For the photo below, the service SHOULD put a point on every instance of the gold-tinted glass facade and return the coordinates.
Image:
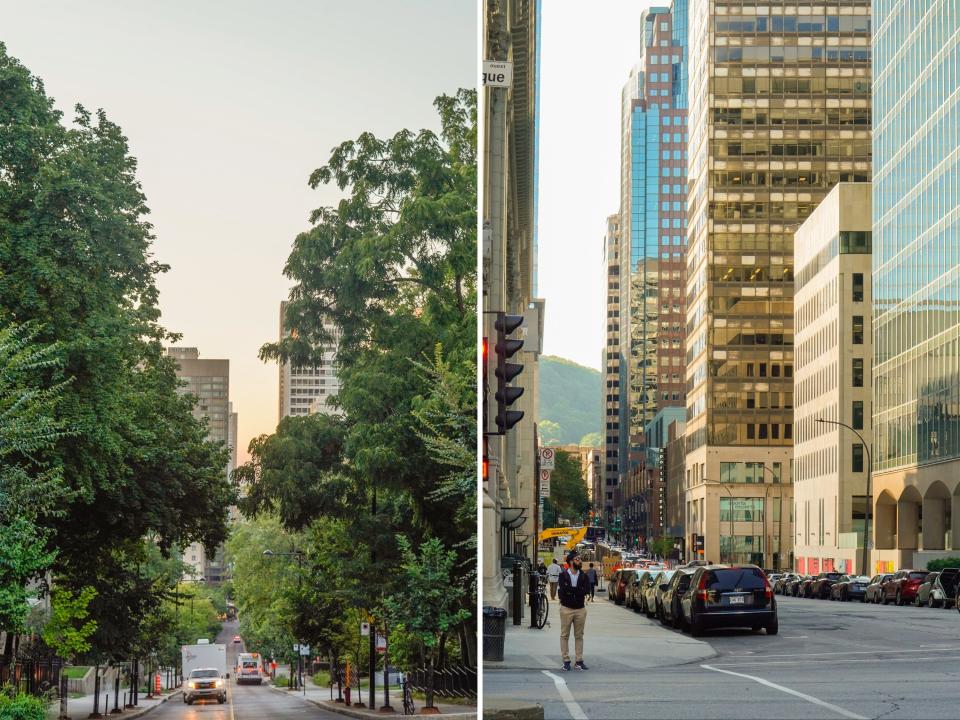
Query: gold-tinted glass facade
(779, 113)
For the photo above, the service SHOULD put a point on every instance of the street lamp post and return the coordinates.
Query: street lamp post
(866, 527)
(780, 528)
(298, 554)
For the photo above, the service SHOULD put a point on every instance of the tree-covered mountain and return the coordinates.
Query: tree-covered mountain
(569, 401)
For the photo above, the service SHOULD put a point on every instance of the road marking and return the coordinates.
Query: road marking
(803, 696)
(799, 637)
(573, 707)
(837, 662)
(844, 652)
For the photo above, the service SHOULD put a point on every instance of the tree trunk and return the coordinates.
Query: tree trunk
(442, 663)
(63, 694)
(430, 681)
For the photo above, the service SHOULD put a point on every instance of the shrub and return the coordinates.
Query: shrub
(322, 679)
(22, 707)
(948, 562)
(282, 681)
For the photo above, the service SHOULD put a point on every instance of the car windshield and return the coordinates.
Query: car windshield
(833, 576)
(204, 674)
(918, 575)
(735, 578)
(249, 663)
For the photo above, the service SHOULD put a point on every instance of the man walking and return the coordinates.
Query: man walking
(574, 587)
(592, 575)
(553, 575)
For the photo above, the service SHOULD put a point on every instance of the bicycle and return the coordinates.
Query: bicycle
(542, 605)
(408, 706)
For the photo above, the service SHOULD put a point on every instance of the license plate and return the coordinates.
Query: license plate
(738, 600)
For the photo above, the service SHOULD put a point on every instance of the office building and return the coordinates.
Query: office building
(510, 499)
(616, 428)
(209, 382)
(916, 251)
(652, 231)
(779, 113)
(832, 382)
(305, 390)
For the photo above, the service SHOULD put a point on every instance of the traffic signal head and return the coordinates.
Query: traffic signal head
(506, 348)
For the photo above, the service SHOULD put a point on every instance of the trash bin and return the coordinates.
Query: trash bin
(494, 632)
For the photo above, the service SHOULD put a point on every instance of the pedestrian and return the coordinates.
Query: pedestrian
(553, 575)
(592, 576)
(574, 588)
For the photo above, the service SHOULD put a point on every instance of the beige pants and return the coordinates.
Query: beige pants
(553, 590)
(577, 618)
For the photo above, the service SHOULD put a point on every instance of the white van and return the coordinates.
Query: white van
(249, 668)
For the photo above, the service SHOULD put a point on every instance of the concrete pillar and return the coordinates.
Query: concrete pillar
(908, 525)
(885, 525)
(934, 523)
(955, 523)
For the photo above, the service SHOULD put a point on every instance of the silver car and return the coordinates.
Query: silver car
(204, 683)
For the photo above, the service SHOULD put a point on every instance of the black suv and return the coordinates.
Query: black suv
(729, 596)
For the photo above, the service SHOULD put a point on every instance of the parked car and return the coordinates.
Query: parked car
(792, 588)
(805, 589)
(821, 584)
(773, 577)
(849, 587)
(643, 585)
(652, 594)
(902, 587)
(612, 585)
(780, 586)
(671, 613)
(945, 588)
(729, 596)
(633, 590)
(924, 596)
(624, 578)
(875, 586)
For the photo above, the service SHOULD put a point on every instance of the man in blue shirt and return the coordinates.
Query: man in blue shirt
(574, 587)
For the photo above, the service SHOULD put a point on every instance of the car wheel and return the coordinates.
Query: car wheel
(886, 600)
(773, 627)
(899, 600)
(930, 601)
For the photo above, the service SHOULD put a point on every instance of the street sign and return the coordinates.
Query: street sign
(547, 458)
(381, 643)
(544, 483)
(304, 649)
(365, 629)
(497, 74)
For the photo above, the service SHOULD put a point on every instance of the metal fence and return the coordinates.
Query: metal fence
(35, 677)
(451, 681)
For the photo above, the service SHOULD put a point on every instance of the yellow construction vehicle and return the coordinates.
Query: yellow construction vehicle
(576, 535)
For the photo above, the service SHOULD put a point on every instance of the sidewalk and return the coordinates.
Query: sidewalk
(320, 696)
(615, 639)
(80, 708)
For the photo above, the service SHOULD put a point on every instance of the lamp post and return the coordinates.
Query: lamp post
(780, 528)
(866, 526)
(298, 554)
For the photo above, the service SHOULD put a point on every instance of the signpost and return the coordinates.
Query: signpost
(547, 458)
(544, 483)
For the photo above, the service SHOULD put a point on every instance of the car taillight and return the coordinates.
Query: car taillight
(767, 590)
(702, 592)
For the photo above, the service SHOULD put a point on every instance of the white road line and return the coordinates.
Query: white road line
(809, 698)
(838, 662)
(844, 652)
(573, 707)
(798, 637)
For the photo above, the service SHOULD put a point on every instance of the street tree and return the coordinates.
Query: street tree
(75, 256)
(568, 487)
(69, 630)
(425, 605)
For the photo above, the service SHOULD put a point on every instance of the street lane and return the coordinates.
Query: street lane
(845, 660)
(244, 702)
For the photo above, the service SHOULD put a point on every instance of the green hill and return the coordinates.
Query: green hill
(570, 398)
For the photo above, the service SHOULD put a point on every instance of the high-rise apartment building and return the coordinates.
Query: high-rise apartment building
(831, 382)
(916, 251)
(616, 428)
(209, 382)
(779, 113)
(305, 390)
(652, 230)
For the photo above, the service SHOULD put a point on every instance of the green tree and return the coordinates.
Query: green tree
(662, 546)
(568, 488)
(550, 432)
(75, 255)
(425, 605)
(30, 491)
(69, 629)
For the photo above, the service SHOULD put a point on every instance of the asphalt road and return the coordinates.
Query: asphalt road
(830, 660)
(244, 702)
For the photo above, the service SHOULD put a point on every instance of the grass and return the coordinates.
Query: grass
(77, 672)
(422, 697)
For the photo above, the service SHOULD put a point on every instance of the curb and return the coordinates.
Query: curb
(513, 711)
(367, 714)
(143, 711)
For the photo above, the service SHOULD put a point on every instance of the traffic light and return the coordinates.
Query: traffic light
(507, 371)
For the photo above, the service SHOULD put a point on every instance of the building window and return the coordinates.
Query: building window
(858, 329)
(857, 287)
(857, 458)
(858, 372)
(858, 414)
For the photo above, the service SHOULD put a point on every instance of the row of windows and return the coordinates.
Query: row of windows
(791, 116)
(763, 147)
(791, 54)
(802, 24)
(766, 86)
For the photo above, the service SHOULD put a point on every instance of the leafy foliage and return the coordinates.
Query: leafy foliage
(943, 563)
(69, 630)
(75, 256)
(21, 706)
(568, 488)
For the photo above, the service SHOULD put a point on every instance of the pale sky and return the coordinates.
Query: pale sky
(229, 105)
(585, 60)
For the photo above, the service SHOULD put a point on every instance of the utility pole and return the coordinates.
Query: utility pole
(373, 631)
